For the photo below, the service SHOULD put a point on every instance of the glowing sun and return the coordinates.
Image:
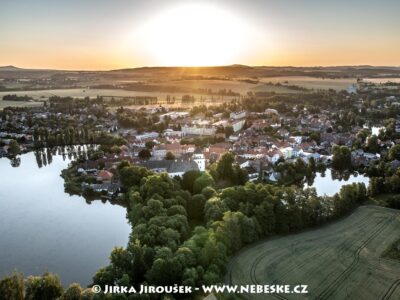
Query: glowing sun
(195, 35)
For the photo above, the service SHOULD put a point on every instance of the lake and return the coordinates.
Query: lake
(42, 228)
(326, 185)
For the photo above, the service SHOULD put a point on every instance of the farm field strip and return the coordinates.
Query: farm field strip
(337, 261)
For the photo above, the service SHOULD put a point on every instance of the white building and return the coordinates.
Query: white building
(200, 160)
(198, 130)
(271, 111)
(172, 133)
(172, 167)
(159, 152)
(238, 115)
(238, 125)
(173, 115)
(147, 135)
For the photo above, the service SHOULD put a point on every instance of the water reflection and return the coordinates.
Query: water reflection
(15, 162)
(329, 182)
(43, 228)
(44, 156)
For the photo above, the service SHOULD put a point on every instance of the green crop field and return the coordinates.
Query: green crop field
(339, 261)
(4, 103)
(313, 82)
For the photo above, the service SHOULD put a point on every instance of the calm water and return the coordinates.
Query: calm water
(42, 228)
(330, 186)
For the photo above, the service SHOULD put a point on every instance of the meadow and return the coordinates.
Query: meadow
(382, 80)
(342, 260)
(18, 104)
(238, 85)
(313, 82)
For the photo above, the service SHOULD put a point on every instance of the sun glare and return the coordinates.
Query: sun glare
(195, 35)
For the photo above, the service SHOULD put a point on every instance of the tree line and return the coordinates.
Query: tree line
(185, 232)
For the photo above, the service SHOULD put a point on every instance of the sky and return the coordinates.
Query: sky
(113, 34)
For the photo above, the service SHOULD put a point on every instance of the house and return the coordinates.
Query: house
(242, 162)
(215, 151)
(178, 150)
(147, 135)
(172, 167)
(238, 115)
(172, 133)
(274, 176)
(159, 151)
(271, 111)
(173, 115)
(252, 173)
(238, 124)
(111, 188)
(290, 152)
(198, 130)
(394, 165)
(274, 155)
(361, 158)
(105, 176)
(180, 167)
(200, 160)
(306, 156)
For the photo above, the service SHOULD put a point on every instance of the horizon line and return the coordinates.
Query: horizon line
(191, 67)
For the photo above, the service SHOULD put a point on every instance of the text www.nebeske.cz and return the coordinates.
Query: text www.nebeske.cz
(231, 289)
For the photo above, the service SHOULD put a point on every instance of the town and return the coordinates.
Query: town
(264, 133)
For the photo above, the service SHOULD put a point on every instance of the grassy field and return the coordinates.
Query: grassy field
(18, 104)
(234, 85)
(216, 85)
(81, 93)
(339, 261)
(382, 80)
(313, 82)
(107, 93)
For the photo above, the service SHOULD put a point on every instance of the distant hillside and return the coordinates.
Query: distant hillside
(9, 68)
(265, 71)
(231, 71)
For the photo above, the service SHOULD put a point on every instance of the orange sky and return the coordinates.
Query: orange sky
(117, 34)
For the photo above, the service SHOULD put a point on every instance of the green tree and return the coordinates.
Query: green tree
(144, 154)
(73, 292)
(188, 179)
(228, 130)
(224, 166)
(208, 192)
(372, 144)
(104, 276)
(132, 175)
(45, 287)
(14, 148)
(195, 207)
(166, 269)
(169, 156)
(203, 181)
(149, 145)
(363, 133)
(214, 209)
(341, 157)
(315, 136)
(241, 175)
(394, 152)
(12, 287)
